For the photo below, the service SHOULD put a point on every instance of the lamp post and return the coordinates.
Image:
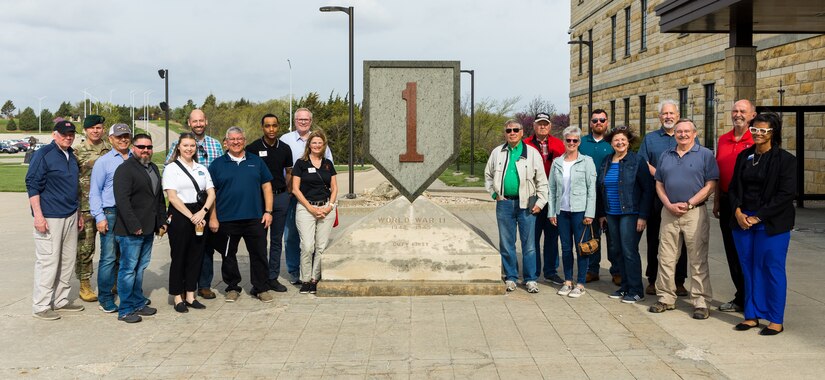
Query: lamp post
(132, 107)
(290, 93)
(472, 119)
(146, 110)
(84, 103)
(589, 74)
(164, 74)
(40, 113)
(351, 12)
(109, 106)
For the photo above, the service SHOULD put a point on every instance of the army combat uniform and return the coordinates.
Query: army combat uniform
(87, 154)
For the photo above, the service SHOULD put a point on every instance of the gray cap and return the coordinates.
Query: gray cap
(119, 129)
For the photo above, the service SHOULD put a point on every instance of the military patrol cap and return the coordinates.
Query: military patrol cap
(119, 129)
(64, 126)
(93, 120)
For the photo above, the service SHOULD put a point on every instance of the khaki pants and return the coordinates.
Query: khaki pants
(314, 235)
(694, 228)
(55, 253)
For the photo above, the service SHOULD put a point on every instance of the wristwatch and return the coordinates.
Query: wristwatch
(268, 212)
(690, 206)
(206, 209)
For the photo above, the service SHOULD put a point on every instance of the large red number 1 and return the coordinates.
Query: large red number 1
(411, 155)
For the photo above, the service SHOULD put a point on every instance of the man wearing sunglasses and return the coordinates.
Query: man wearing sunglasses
(595, 146)
(550, 147)
(728, 148)
(515, 178)
(208, 150)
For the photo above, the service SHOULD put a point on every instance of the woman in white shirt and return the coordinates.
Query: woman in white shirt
(188, 210)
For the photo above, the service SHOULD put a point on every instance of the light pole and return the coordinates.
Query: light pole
(164, 74)
(40, 113)
(146, 109)
(290, 93)
(472, 119)
(351, 12)
(84, 103)
(132, 107)
(109, 106)
(589, 74)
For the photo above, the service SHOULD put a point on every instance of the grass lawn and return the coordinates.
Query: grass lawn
(356, 167)
(460, 180)
(13, 177)
(173, 126)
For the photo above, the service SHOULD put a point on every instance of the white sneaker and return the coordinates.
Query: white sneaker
(511, 285)
(565, 290)
(577, 292)
(532, 287)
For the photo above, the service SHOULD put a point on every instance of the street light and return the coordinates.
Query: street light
(164, 74)
(589, 74)
(472, 119)
(146, 110)
(40, 113)
(132, 106)
(290, 93)
(351, 12)
(84, 104)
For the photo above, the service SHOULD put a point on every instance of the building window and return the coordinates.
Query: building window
(580, 117)
(683, 105)
(642, 114)
(710, 113)
(627, 111)
(613, 112)
(643, 27)
(581, 47)
(627, 31)
(613, 38)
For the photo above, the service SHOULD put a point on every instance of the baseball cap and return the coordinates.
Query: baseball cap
(93, 120)
(63, 127)
(542, 116)
(119, 129)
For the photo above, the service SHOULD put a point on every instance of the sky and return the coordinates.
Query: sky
(234, 49)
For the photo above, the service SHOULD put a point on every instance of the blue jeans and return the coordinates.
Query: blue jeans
(570, 232)
(623, 244)
(107, 267)
(595, 259)
(292, 241)
(135, 253)
(280, 207)
(509, 216)
(550, 252)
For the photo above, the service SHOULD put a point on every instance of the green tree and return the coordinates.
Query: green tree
(46, 117)
(8, 109)
(28, 120)
(11, 126)
(64, 111)
(210, 101)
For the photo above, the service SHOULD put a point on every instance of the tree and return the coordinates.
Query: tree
(46, 118)
(64, 111)
(28, 120)
(11, 126)
(210, 101)
(8, 109)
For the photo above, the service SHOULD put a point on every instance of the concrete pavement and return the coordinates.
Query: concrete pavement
(518, 335)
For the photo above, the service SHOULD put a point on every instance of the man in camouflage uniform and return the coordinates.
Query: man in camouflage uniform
(87, 153)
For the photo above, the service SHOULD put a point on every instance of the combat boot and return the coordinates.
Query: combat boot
(86, 292)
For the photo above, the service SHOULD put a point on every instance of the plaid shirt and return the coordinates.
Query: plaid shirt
(208, 150)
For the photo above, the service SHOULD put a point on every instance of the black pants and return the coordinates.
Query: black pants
(254, 235)
(186, 251)
(725, 216)
(654, 224)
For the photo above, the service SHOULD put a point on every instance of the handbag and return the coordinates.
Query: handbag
(591, 246)
(202, 195)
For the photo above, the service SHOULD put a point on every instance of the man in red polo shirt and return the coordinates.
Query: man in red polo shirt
(730, 144)
(550, 147)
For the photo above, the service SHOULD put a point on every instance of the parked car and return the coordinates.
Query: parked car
(21, 146)
(38, 146)
(7, 148)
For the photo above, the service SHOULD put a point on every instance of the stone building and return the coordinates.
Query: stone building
(636, 65)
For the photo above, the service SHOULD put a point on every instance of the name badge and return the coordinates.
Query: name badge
(262, 153)
(311, 170)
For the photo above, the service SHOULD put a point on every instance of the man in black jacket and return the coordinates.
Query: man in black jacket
(140, 213)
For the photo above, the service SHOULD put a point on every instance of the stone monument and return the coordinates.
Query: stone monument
(410, 246)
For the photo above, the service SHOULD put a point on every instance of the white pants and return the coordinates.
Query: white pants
(55, 252)
(314, 235)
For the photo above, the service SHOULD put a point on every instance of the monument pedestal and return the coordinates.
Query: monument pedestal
(405, 249)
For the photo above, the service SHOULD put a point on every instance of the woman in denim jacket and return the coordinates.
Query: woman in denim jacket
(625, 197)
(572, 205)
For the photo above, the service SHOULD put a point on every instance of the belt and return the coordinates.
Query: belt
(511, 198)
(317, 203)
(278, 191)
(110, 209)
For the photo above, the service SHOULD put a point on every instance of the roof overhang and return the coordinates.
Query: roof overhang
(769, 16)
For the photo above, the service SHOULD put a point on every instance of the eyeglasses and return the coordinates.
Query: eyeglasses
(761, 131)
(512, 130)
(622, 128)
(144, 147)
(202, 150)
(236, 139)
(304, 120)
(572, 141)
(598, 120)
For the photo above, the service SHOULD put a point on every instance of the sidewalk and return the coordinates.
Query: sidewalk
(518, 335)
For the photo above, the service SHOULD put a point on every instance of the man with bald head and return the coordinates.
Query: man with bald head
(208, 150)
(729, 146)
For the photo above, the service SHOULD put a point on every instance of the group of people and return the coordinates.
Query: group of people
(572, 189)
(114, 190)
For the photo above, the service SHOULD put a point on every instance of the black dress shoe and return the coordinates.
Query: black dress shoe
(180, 307)
(276, 286)
(745, 327)
(769, 331)
(195, 304)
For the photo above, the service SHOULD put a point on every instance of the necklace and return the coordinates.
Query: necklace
(756, 159)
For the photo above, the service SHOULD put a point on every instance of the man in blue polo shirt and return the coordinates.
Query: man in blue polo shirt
(51, 182)
(242, 212)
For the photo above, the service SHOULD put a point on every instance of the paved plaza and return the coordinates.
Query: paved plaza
(513, 336)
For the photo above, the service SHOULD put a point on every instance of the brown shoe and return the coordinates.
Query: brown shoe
(206, 293)
(591, 277)
(617, 279)
(681, 291)
(650, 289)
(86, 292)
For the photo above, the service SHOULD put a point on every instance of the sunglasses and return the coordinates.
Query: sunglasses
(144, 147)
(202, 150)
(572, 141)
(512, 130)
(598, 120)
(761, 131)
